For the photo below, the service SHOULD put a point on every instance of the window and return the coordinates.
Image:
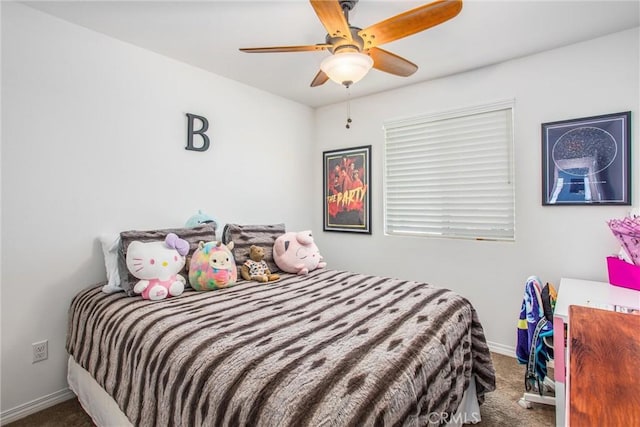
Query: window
(451, 174)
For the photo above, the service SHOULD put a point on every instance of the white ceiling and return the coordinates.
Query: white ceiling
(207, 34)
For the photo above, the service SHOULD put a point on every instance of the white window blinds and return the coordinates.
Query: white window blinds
(451, 174)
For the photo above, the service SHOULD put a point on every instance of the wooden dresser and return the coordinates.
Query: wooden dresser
(604, 368)
(576, 293)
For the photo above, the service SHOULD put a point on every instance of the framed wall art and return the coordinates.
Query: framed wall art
(587, 161)
(347, 190)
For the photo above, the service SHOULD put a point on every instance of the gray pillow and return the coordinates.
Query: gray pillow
(243, 236)
(193, 235)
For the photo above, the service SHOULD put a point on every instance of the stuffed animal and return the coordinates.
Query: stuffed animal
(199, 219)
(297, 253)
(157, 264)
(196, 220)
(256, 268)
(212, 267)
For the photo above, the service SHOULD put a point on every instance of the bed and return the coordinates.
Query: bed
(331, 348)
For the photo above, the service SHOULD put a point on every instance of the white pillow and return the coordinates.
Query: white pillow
(110, 244)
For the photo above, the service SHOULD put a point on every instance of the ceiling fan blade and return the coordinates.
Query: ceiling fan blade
(410, 22)
(285, 48)
(391, 63)
(320, 79)
(332, 18)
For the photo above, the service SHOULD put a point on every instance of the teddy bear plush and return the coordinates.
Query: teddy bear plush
(212, 266)
(256, 268)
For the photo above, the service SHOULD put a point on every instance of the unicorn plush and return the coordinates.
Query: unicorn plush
(212, 266)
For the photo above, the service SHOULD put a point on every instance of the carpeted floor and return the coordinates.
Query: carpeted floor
(500, 409)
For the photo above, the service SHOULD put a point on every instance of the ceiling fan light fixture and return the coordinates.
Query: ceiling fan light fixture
(346, 68)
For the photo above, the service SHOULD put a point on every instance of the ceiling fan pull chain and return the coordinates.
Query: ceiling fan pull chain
(348, 108)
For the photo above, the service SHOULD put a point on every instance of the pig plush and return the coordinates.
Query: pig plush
(295, 252)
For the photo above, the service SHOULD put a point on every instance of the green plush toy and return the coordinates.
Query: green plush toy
(199, 219)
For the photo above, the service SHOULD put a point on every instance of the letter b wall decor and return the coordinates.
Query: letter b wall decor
(201, 132)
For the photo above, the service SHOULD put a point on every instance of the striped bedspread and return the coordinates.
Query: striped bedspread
(332, 348)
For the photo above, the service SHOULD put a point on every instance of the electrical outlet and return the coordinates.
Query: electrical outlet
(40, 351)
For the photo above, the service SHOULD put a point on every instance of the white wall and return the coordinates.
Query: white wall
(93, 141)
(93, 135)
(596, 77)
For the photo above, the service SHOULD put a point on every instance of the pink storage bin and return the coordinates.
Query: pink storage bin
(623, 274)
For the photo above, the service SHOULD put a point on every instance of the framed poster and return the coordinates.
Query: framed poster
(347, 190)
(587, 161)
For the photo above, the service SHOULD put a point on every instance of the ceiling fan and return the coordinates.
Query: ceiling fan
(355, 50)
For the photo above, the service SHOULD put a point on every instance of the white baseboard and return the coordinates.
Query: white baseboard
(505, 350)
(34, 406)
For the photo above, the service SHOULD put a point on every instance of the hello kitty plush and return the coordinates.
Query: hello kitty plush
(157, 264)
(297, 253)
